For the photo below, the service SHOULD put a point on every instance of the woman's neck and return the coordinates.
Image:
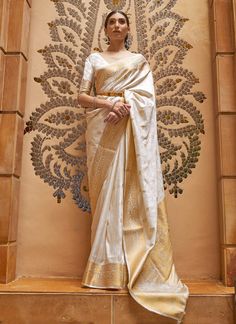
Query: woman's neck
(116, 47)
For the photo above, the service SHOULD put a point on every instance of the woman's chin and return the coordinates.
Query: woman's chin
(117, 37)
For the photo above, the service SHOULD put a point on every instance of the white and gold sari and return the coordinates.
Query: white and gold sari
(130, 234)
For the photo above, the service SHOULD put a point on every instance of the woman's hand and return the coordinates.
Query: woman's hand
(121, 109)
(112, 118)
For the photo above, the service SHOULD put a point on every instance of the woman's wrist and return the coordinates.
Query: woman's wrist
(113, 105)
(94, 102)
(109, 105)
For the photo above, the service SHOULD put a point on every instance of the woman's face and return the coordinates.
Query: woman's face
(117, 27)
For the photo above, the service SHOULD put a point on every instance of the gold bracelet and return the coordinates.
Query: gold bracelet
(94, 103)
(113, 106)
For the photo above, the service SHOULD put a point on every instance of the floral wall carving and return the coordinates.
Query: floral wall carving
(58, 125)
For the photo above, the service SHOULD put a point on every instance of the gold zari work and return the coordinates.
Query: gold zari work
(112, 275)
(129, 229)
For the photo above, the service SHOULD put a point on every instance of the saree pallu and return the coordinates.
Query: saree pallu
(130, 238)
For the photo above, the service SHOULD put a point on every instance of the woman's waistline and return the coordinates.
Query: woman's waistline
(112, 94)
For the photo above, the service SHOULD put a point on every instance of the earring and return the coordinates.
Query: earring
(107, 40)
(128, 41)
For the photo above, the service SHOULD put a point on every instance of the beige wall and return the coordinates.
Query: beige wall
(194, 215)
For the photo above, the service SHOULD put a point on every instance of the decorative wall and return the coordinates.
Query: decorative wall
(174, 36)
(59, 145)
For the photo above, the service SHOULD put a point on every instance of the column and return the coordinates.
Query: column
(14, 32)
(223, 58)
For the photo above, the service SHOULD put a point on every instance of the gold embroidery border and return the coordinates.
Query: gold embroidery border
(143, 265)
(108, 275)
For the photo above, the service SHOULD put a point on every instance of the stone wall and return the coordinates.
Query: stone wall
(14, 35)
(223, 57)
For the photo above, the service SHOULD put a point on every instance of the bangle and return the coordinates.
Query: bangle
(94, 103)
(113, 105)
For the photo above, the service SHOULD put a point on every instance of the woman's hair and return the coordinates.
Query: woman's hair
(127, 21)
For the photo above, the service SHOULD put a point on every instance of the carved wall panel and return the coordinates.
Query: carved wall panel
(58, 148)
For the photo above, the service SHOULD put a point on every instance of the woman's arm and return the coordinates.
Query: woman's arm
(119, 108)
(88, 101)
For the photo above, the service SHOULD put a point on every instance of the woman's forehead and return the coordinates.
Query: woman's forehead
(116, 15)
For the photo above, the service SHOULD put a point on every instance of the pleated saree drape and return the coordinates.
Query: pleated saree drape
(130, 234)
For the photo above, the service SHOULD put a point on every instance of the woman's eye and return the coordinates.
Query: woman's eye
(121, 21)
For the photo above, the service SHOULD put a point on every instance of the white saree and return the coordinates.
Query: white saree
(130, 235)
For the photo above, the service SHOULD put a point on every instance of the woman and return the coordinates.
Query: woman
(130, 235)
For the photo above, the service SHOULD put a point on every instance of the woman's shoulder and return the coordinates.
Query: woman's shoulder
(141, 55)
(90, 56)
(92, 59)
(134, 53)
(137, 54)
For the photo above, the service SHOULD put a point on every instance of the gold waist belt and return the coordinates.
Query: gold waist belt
(111, 94)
